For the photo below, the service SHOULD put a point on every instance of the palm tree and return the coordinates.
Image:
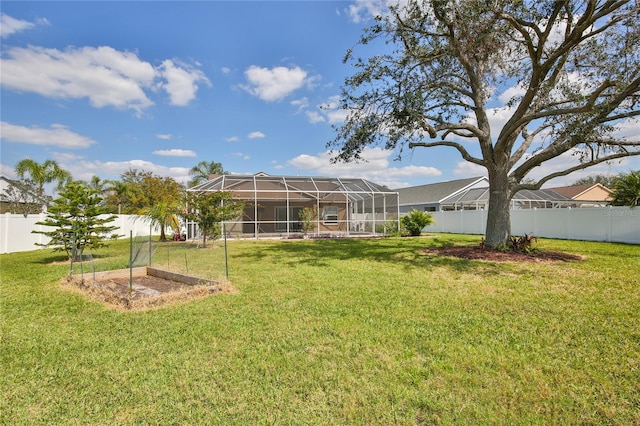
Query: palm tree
(44, 173)
(203, 170)
(163, 215)
(626, 189)
(119, 191)
(97, 184)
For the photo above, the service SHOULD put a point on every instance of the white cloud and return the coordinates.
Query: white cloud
(175, 152)
(314, 117)
(498, 117)
(274, 84)
(628, 129)
(256, 135)
(363, 10)
(181, 83)
(569, 159)
(466, 169)
(337, 116)
(233, 139)
(225, 70)
(240, 155)
(376, 168)
(328, 111)
(165, 136)
(8, 171)
(103, 75)
(301, 103)
(83, 169)
(510, 93)
(10, 25)
(58, 135)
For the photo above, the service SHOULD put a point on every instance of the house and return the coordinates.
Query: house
(431, 196)
(587, 194)
(273, 204)
(473, 194)
(478, 199)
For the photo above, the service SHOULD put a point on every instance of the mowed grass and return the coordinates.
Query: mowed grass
(361, 331)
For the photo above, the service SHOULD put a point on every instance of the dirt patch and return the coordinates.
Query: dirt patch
(487, 254)
(114, 290)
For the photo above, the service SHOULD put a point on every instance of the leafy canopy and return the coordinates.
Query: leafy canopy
(208, 209)
(414, 221)
(526, 81)
(203, 170)
(626, 189)
(42, 173)
(76, 218)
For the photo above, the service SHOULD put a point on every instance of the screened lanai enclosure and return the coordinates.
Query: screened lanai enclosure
(272, 205)
(478, 199)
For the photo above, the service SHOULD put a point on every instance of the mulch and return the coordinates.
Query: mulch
(483, 253)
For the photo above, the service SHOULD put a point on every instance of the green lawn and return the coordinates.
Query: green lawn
(364, 331)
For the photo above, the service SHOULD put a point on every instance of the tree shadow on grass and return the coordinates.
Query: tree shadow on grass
(397, 252)
(60, 258)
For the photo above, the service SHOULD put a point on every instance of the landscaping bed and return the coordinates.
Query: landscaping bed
(483, 253)
(143, 287)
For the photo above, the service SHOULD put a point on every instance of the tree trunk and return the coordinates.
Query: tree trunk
(498, 217)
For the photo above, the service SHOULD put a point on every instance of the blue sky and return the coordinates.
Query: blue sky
(102, 87)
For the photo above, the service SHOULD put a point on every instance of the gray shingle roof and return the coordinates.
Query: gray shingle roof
(436, 192)
(482, 195)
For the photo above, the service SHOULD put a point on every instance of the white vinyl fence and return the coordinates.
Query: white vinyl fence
(612, 224)
(16, 235)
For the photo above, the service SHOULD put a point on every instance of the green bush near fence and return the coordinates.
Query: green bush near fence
(362, 331)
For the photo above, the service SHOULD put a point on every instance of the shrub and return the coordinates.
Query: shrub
(391, 228)
(308, 216)
(415, 221)
(522, 243)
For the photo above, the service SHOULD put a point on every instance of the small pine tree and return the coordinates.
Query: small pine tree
(75, 217)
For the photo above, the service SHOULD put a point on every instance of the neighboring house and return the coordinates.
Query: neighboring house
(273, 204)
(473, 194)
(431, 196)
(478, 199)
(588, 194)
(16, 199)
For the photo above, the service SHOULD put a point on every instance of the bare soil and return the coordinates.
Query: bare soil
(146, 292)
(482, 253)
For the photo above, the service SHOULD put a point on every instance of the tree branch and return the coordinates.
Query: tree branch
(463, 152)
(570, 170)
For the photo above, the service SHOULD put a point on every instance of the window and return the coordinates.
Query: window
(330, 215)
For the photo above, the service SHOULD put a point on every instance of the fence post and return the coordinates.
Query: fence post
(609, 225)
(5, 232)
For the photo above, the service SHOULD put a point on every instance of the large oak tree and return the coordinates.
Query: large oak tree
(567, 71)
